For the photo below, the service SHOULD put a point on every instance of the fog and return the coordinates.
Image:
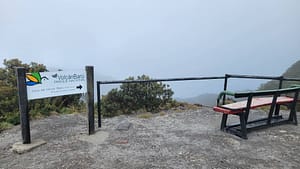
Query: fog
(159, 38)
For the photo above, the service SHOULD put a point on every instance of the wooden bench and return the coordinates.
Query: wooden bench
(255, 99)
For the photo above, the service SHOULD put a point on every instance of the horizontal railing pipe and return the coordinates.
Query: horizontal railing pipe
(160, 80)
(291, 79)
(200, 78)
(254, 77)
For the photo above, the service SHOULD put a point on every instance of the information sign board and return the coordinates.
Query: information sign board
(51, 84)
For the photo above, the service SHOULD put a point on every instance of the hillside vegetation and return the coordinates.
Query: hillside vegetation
(291, 72)
(129, 98)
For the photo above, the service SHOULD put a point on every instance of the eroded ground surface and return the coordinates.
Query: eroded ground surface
(190, 139)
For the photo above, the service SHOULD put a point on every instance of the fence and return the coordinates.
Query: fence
(226, 77)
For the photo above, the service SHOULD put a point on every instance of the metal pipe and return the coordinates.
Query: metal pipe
(254, 77)
(161, 80)
(99, 104)
(291, 79)
(225, 88)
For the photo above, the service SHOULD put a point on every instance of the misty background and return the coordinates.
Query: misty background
(159, 38)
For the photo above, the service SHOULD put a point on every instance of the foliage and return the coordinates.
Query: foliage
(291, 72)
(5, 125)
(146, 115)
(9, 112)
(132, 97)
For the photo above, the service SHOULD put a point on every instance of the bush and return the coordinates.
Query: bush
(5, 125)
(133, 97)
(12, 118)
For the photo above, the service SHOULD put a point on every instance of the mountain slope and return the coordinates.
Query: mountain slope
(292, 72)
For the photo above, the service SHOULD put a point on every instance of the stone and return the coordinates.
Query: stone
(21, 148)
(124, 125)
(124, 141)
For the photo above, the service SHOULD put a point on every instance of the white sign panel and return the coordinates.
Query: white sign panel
(51, 84)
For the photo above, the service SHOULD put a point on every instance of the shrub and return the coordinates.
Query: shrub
(12, 118)
(133, 97)
(5, 125)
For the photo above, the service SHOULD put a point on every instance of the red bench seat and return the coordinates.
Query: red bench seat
(238, 107)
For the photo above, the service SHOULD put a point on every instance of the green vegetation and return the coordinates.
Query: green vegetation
(9, 111)
(146, 115)
(137, 97)
(291, 72)
(129, 98)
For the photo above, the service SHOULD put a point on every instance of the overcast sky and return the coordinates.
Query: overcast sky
(160, 38)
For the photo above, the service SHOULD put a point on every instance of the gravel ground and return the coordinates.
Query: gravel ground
(189, 139)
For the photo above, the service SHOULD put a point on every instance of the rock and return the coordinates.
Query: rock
(124, 125)
(124, 141)
(282, 131)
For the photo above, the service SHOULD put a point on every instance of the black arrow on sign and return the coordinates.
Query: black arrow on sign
(79, 87)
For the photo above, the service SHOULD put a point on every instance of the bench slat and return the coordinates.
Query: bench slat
(238, 107)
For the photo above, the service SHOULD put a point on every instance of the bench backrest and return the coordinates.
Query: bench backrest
(276, 92)
(267, 92)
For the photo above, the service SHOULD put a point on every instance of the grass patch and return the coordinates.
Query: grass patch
(162, 113)
(182, 107)
(5, 126)
(147, 115)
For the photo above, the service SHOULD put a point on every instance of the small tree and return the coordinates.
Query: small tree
(131, 97)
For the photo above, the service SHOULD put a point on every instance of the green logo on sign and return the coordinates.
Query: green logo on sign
(34, 78)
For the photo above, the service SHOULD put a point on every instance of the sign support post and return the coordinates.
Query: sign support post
(90, 98)
(23, 105)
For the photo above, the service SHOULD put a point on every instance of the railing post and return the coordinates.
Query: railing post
(280, 82)
(225, 87)
(23, 105)
(99, 103)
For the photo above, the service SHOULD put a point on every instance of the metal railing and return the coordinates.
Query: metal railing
(226, 77)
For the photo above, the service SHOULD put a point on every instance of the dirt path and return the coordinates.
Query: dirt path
(190, 139)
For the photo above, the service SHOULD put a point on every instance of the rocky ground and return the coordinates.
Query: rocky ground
(190, 139)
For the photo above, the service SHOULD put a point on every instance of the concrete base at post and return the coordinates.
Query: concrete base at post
(21, 148)
(97, 138)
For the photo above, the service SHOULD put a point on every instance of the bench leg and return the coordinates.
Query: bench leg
(243, 125)
(293, 116)
(273, 107)
(224, 121)
(296, 121)
(277, 109)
